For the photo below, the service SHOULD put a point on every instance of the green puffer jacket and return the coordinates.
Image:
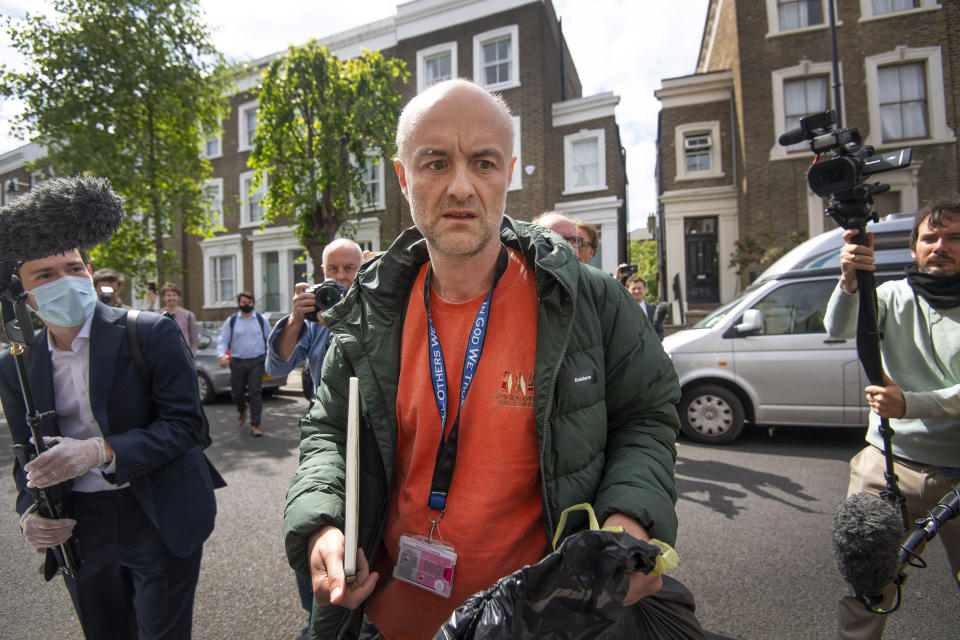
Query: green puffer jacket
(610, 443)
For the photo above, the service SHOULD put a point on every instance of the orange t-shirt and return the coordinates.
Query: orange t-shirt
(493, 518)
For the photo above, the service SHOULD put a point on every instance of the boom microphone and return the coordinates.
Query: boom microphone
(867, 533)
(58, 215)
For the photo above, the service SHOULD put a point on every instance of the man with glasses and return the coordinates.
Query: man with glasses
(562, 225)
(589, 241)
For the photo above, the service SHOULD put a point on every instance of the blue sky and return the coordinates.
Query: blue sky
(624, 46)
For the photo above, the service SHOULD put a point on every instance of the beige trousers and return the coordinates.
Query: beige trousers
(923, 486)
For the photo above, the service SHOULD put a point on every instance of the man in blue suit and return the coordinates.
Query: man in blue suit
(127, 443)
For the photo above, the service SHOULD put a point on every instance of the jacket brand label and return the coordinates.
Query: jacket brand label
(582, 378)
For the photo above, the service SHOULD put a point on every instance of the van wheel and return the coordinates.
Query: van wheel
(711, 414)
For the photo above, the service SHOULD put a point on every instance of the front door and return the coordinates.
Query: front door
(703, 273)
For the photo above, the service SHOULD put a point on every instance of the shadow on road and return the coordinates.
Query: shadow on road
(825, 443)
(234, 448)
(698, 477)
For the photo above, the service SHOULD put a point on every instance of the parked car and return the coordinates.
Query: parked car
(765, 357)
(213, 379)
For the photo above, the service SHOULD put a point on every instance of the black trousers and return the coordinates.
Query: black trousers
(246, 379)
(129, 585)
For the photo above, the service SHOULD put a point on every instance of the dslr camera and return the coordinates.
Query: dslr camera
(325, 295)
(629, 270)
(839, 176)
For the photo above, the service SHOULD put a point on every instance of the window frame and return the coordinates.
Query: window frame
(244, 143)
(513, 31)
(773, 20)
(681, 132)
(867, 14)
(381, 202)
(220, 247)
(219, 138)
(246, 220)
(778, 78)
(217, 204)
(424, 55)
(938, 132)
(569, 178)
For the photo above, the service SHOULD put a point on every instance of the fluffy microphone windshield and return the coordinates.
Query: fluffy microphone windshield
(58, 215)
(867, 533)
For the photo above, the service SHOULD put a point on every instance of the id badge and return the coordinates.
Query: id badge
(426, 564)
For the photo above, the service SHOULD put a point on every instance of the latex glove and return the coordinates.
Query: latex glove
(43, 532)
(65, 459)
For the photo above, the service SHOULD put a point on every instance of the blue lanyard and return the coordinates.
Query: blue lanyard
(447, 450)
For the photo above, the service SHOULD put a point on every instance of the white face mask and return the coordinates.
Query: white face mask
(66, 302)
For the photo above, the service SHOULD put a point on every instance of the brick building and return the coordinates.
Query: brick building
(763, 65)
(567, 145)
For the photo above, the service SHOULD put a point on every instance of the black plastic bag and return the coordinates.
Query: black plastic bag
(576, 593)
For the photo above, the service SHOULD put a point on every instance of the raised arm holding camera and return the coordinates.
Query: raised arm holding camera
(302, 335)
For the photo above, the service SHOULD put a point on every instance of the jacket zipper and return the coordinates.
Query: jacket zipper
(546, 417)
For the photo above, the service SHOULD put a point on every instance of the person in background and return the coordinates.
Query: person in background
(242, 346)
(918, 318)
(589, 241)
(295, 338)
(108, 284)
(561, 224)
(187, 322)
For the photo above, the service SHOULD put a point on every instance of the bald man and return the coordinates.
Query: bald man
(294, 338)
(561, 224)
(543, 414)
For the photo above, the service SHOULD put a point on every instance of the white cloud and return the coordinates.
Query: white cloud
(624, 46)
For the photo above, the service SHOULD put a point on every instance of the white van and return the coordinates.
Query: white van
(765, 357)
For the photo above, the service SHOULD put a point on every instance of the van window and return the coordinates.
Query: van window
(797, 307)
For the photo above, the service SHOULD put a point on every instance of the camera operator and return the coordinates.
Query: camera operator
(919, 321)
(108, 284)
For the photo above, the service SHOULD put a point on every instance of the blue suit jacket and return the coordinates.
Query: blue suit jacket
(153, 430)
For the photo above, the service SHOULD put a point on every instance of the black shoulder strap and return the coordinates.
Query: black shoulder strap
(233, 321)
(263, 329)
(136, 354)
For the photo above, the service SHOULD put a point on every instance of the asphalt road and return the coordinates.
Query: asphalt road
(754, 541)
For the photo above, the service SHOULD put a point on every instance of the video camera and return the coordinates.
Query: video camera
(840, 177)
(326, 294)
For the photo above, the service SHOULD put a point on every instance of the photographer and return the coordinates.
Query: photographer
(295, 338)
(919, 321)
(108, 284)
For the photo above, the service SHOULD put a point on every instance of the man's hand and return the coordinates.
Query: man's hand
(641, 584)
(65, 459)
(43, 532)
(853, 258)
(303, 303)
(224, 361)
(886, 401)
(325, 550)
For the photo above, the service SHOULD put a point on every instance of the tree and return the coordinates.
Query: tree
(754, 252)
(643, 253)
(318, 121)
(125, 89)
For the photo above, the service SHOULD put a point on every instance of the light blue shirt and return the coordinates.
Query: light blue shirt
(249, 336)
(311, 346)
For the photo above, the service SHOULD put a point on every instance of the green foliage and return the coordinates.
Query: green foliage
(643, 253)
(757, 251)
(318, 119)
(125, 89)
